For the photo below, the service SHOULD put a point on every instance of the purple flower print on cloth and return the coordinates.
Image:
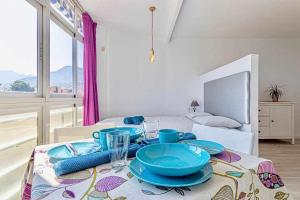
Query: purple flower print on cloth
(109, 183)
(228, 156)
(268, 176)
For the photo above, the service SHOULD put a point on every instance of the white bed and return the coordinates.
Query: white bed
(231, 91)
(234, 139)
(180, 123)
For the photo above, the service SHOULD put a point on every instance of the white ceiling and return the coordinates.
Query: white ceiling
(239, 18)
(134, 15)
(202, 18)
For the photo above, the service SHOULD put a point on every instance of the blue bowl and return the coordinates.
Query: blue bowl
(171, 159)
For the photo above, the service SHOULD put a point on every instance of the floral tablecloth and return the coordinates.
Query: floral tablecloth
(236, 177)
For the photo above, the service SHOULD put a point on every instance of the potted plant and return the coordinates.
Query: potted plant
(275, 92)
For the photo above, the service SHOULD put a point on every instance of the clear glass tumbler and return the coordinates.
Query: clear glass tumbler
(117, 143)
(151, 128)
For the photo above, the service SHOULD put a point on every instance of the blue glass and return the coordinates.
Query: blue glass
(139, 171)
(100, 136)
(172, 159)
(61, 152)
(212, 148)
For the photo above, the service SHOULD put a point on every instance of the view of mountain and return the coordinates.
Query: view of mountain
(8, 76)
(61, 77)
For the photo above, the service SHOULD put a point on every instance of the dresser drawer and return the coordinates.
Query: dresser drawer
(263, 121)
(264, 110)
(263, 131)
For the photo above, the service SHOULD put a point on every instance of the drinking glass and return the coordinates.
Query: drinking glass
(117, 143)
(151, 128)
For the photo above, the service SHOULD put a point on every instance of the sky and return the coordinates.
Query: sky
(18, 40)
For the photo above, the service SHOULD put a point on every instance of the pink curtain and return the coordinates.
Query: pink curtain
(90, 98)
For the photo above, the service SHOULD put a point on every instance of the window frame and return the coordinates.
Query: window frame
(39, 56)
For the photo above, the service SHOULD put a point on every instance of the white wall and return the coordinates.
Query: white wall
(131, 85)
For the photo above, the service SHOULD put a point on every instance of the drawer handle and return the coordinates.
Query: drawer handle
(259, 121)
(259, 131)
(259, 110)
(272, 120)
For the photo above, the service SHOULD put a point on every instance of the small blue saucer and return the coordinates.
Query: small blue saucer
(212, 148)
(140, 172)
(61, 152)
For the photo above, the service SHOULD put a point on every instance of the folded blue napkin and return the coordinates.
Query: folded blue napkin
(136, 120)
(82, 162)
(127, 120)
(186, 136)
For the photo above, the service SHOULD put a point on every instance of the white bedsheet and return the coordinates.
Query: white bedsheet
(230, 138)
(179, 123)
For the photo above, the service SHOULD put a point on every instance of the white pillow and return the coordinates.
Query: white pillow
(192, 115)
(217, 121)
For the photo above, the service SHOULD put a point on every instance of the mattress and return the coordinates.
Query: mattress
(179, 123)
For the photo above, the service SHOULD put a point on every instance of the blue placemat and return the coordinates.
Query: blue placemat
(79, 163)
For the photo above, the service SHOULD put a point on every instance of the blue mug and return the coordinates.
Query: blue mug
(169, 136)
(100, 138)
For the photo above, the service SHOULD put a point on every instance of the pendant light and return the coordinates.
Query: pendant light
(152, 54)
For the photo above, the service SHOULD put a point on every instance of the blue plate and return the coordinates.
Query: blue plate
(61, 152)
(135, 133)
(171, 159)
(139, 171)
(212, 148)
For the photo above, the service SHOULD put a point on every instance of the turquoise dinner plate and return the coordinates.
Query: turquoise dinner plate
(140, 172)
(212, 148)
(135, 133)
(61, 152)
(173, 159)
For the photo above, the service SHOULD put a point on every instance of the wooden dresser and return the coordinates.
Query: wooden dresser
(276, 120)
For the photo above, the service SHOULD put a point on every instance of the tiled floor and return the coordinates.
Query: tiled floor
(286, 158)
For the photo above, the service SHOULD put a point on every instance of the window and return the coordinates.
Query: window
(19, 49)
(65, 9)
(80, 68)
(79, 24)
(15, 150)
(61, 70)
(26, 70)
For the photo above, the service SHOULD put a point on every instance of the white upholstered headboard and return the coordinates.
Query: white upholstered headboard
(229, 97)
(228, 74)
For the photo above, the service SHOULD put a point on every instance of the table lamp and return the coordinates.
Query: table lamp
(194, 104)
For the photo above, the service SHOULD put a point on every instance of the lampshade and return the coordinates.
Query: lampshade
(194, 103)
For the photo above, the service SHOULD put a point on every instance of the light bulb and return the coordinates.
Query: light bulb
(152, 56)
